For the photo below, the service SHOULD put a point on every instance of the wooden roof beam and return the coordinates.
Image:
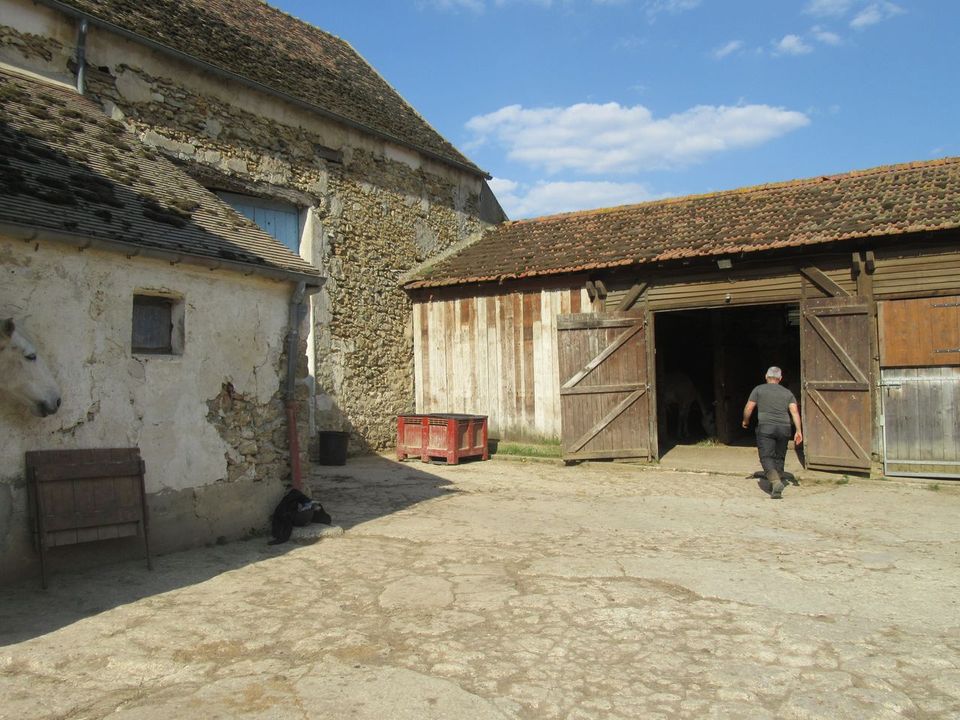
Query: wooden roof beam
(821, 281)
(633, 294)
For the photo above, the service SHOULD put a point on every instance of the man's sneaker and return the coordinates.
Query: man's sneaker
(777, 492)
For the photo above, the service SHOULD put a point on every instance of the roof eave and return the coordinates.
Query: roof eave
(30, 233)
(671, 257)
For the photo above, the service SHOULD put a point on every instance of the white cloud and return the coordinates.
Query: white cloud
(825, 36)
(874, 13)
(503, 187)
(867, 12)
(611, 138)
(830, 8)
(791, 45)
(724, 50)
(549, 198)
(670, 7)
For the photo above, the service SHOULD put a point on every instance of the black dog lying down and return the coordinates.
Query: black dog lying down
(295, 509)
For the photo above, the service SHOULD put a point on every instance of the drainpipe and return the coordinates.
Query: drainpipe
(297, 310)
(81, 54)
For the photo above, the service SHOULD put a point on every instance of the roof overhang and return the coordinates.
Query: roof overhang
(27, 233)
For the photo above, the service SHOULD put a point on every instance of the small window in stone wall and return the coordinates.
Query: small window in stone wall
(157, 325)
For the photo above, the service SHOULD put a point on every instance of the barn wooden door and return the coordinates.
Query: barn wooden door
(920, 386)
(606, 386)
(837, 414)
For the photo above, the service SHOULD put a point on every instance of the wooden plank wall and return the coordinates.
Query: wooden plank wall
(920, 273)
(755, 287)
(494, 355)
(920, 332)
(920, 409)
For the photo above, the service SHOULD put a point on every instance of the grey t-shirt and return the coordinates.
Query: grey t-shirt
(773, 402)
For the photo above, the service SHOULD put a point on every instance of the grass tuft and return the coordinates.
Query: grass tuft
(550, 450)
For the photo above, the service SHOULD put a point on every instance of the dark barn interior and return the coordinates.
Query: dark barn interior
(724, 353)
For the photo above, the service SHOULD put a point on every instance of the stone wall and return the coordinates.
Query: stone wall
(372, 217)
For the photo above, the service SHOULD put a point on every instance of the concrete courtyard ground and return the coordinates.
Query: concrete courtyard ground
(521, 590)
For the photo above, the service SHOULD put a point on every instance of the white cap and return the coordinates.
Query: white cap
(774, 372)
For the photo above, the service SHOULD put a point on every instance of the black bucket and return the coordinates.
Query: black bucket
(332, 447)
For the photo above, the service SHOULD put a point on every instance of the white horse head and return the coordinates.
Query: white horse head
(24, 376)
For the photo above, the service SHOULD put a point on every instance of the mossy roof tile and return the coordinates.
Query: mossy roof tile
(251, 39)
(882, 201)
(66, 167)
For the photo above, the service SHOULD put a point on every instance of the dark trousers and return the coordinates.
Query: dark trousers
(772, 446)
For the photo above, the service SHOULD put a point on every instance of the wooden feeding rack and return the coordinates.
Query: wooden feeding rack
(81, 496)
(450, 436)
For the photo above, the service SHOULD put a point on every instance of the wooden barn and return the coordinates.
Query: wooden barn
(623, 331)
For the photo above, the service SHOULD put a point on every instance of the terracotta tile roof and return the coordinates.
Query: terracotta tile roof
(67, 168)
(888, 200)
(260, 43)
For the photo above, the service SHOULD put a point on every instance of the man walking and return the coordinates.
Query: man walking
(776, 407)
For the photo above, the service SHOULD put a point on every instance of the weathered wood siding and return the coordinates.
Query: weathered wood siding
(728, 289)
(921, 432)
(494, 355)
(916, 273)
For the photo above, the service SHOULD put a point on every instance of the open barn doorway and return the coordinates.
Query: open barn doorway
(709, 360)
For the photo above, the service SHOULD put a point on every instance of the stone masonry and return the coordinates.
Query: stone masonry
(376, 219)
(372, 211)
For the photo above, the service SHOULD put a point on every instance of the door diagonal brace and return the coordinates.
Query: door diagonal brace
(838, 425)
(607, 352)
(849, 365)
(607, 419)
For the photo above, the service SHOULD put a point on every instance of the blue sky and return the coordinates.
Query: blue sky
(576, 104)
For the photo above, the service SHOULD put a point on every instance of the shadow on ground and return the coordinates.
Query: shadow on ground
(28, 612)
(344, 490)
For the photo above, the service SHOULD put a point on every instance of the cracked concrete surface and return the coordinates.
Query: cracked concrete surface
(520, 590)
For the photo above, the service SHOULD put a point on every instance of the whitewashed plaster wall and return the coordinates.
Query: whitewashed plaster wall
(77, 307)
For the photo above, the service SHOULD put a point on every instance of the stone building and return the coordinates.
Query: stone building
(163, 315)
(289, 125)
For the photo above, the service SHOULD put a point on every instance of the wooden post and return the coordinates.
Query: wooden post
(865, 290)
(721, 404)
